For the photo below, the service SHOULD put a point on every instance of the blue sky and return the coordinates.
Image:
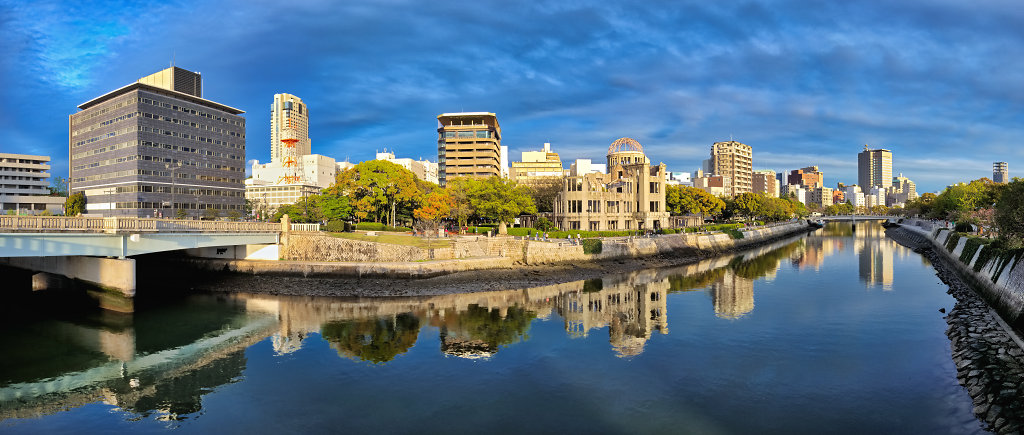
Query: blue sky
(940, 83)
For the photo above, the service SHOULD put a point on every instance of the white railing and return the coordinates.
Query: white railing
(305, 227)
(113, 224)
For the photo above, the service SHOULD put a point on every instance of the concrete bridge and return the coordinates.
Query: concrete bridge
(98, 250)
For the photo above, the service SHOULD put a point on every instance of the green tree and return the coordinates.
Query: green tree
(332, 207)
(211, 214)
(461, 209)
(543, 224)
(234, 215)
(544, 191)
(1009, 214)
(181, 213)
(748, 204)
(59, 186)
(75, 204)
(499, 199)
(376, 188)
(376, 340)
(961, 199)
(691, 200)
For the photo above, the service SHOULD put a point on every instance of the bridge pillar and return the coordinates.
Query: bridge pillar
(114, 274)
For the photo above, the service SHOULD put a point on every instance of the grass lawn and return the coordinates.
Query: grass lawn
(397, 239)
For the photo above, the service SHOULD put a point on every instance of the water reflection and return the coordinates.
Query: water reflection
(161, 362)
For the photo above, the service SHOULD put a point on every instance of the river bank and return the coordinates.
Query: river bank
(402, 279)
(988, 355)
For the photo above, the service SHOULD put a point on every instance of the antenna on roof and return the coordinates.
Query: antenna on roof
(173, 55)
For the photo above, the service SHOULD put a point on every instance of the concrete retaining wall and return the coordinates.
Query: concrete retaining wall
(423, 269)
(1005, 294)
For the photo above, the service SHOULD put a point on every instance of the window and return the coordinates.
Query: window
(655, 187)
(574, 225)
(655, 206)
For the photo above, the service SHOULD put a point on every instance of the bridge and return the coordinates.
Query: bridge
(97, 249)
(855, 218)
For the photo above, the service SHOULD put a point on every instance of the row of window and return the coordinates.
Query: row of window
(191, 137)
(178, 190)
(191, 124)
(144, 157)
(125, 130)
(92, 127)
(594, 206)
(200, 151)
(192, 111)
(480, 134)
(156, 174)
(595, 225)
(105, 110)
(181, 205)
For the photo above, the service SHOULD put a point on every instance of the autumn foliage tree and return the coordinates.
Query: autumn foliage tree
(376, 188)
(436, 205)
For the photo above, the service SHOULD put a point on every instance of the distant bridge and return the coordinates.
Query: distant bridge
(96, 249)
(855, 218)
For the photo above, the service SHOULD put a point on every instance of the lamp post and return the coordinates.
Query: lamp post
(168, 166)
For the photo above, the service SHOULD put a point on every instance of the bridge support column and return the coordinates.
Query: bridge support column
(114, 274)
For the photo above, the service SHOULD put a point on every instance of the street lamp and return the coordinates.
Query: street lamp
(172, 169)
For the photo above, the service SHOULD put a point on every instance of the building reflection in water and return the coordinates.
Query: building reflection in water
(149, 368)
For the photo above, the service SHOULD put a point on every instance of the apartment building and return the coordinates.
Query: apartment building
(537, 167)
(1001, 172)
(734, 160)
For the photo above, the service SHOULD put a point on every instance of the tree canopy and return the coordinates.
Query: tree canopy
(499, 199)
(685, 199)
(75, 204)
(376, 188)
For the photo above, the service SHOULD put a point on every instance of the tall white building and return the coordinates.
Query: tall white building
(287, 107)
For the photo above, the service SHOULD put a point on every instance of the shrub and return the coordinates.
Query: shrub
(735, 234)
(963, 227)
(378, 226)
(591, 246)
(951, 242)
(337, 226)
(971, 247)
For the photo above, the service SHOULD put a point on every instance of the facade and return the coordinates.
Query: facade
(903, 191)
(288, 109)
(734, 160)
(854, 195)
(23, 185)
(423, 169)
(838, 196)
(821, 196)
(267, 198)
(809, 177)
(313, 170)
(795, 191)
(468, 145)
(716, 185)
(764, 182)
(155, 147)
(874, 168)
(630, 196)
(537, 166)
(1001, 172)
(679, 179)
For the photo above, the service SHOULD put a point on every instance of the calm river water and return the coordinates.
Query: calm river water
(838, 331)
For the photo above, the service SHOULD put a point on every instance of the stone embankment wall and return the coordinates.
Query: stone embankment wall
(1000, 281)
(318, 247)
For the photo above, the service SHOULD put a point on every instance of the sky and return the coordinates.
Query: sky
(940, 83)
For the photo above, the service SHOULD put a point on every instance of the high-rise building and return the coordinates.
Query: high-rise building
(809, 177)
(1000, 172)
(734, 160)
(537, 166)
(874, 168)
(156, 147)
(289, 110)
(764, 182)
(468, 145)
(23, 185)
(903, 191)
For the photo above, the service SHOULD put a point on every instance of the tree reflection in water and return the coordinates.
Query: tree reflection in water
(480, 332)
(375, 340)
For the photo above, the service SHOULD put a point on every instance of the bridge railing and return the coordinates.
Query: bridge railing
(125, 224)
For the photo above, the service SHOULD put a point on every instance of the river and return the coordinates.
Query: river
(836, 331)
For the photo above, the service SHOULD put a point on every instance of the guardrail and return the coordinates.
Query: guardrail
(124, 224)
(305, 227)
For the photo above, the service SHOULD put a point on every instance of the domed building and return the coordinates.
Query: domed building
(630, 196)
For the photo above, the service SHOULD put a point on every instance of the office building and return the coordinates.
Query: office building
(874, 168)
(903, 191)
(537, 167)
(157, 146)
(1000, 172)
(734, 160)
(468, 145)
(23, 185)
(809, 177)
(765, 182)
(630, 196)
(287, 111)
